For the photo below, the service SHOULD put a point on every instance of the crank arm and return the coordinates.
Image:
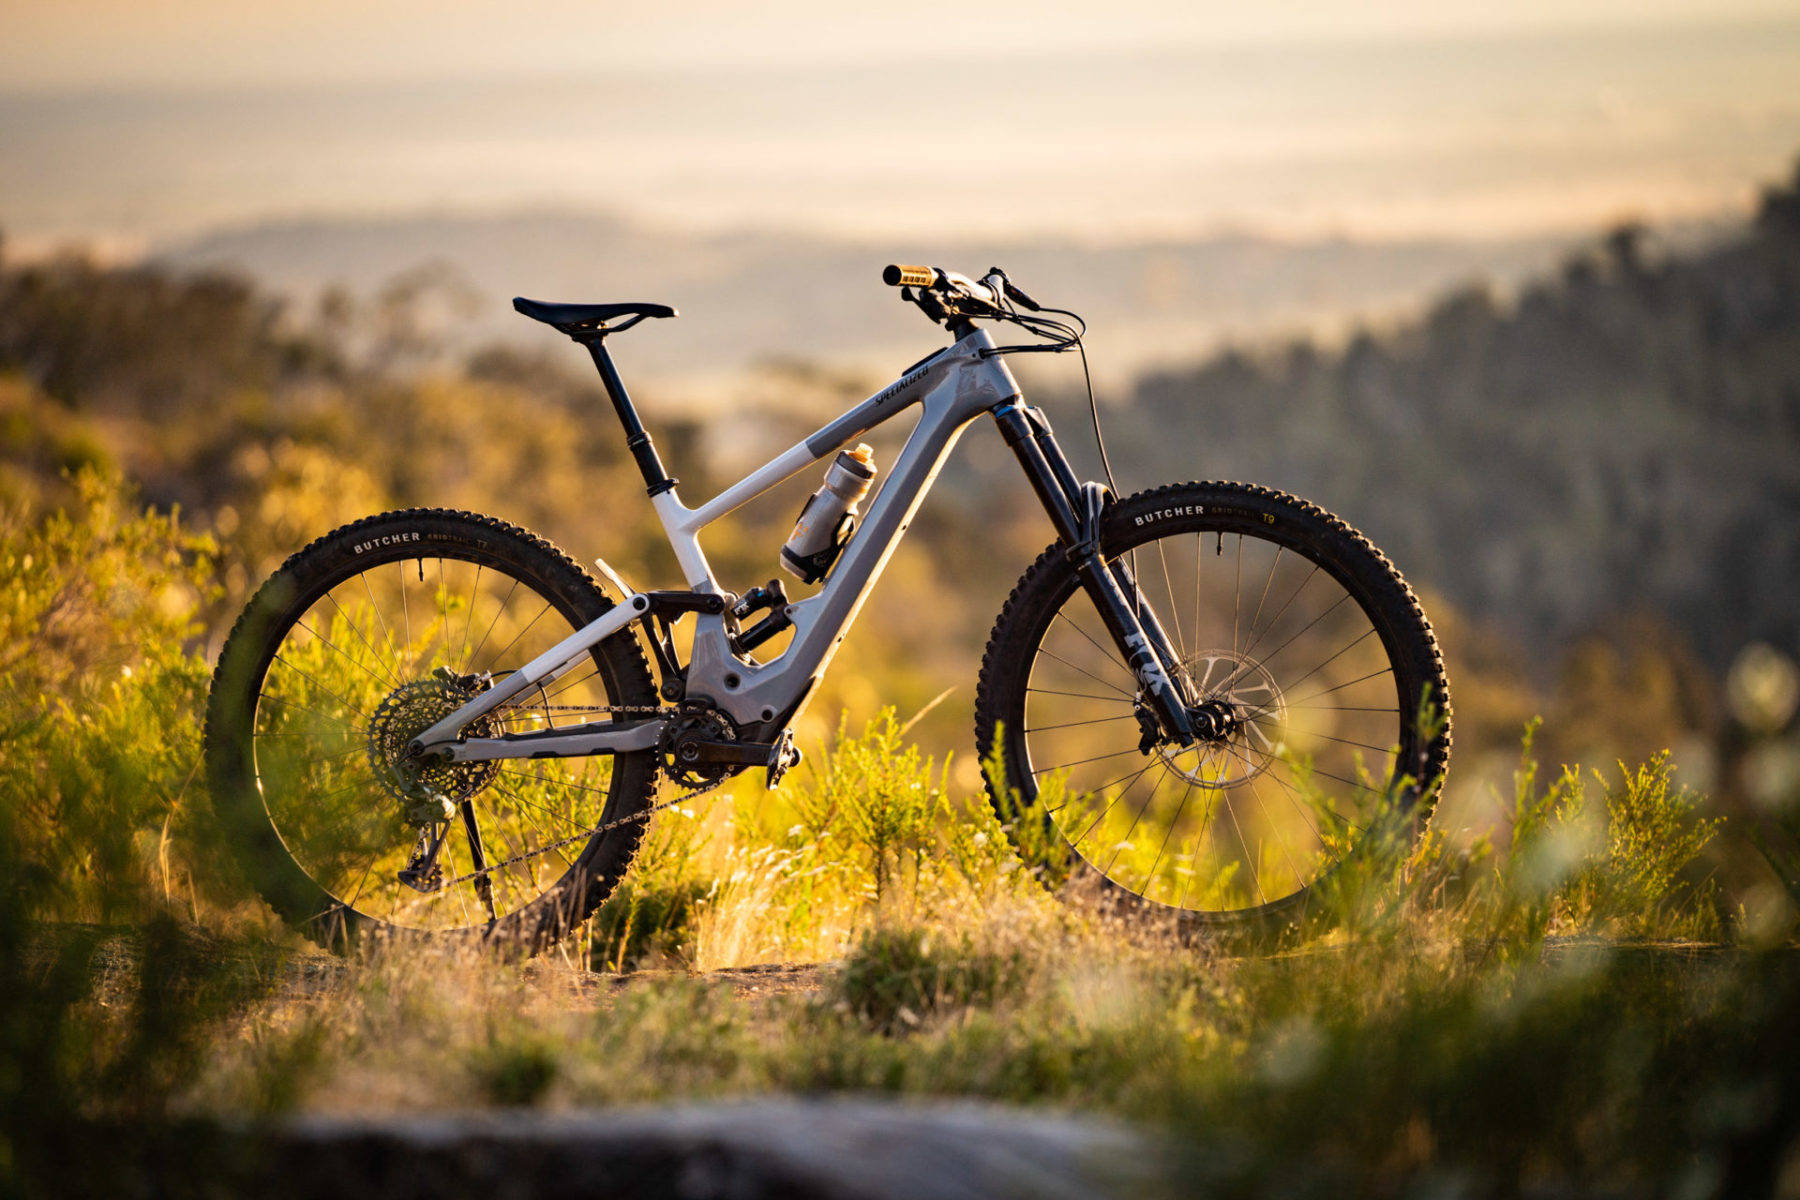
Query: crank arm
(575, 741)
(739, 754)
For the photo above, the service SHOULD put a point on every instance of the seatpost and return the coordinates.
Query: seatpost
(656, 480)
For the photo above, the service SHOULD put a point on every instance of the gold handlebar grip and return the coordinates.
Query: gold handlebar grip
(898, 275)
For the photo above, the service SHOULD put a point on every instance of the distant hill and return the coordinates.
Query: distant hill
(750, 295)
(1623, 435)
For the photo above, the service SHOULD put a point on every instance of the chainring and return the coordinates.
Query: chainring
(676, 746)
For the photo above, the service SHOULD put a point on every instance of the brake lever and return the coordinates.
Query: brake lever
(1017, 295)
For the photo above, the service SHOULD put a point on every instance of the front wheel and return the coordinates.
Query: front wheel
(1315, 665)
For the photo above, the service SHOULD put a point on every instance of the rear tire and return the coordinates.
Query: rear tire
(1292, 725)
(266, 762)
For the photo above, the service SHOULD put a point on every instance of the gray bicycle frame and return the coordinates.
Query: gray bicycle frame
(952, 388)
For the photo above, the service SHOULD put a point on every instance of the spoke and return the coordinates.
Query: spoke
(1347, 742)
(572, 825)
(331, 757)
(1109, 808)
(1119, 848)
(1299, 808)
(405, 612)
(1237, 588)
(567, 685)
(1347, 782)
(556, 782)
(1065, 619)
(386, 635)
(1065, 662)
(354, 628)
(489, 631)
(469, 624)
(1359, 638)
(518, 635)
(1073, 724)
(290, 666)
(1174, 604)
(1081, 695)
(1331, 812)
(1299, 876)
(1275, 562)
(1169, 833)
(1101, 790)
(1256, 635)
(333, 646)
(1231, 811)
(449, 854)
(266, 698)
(1083, 761)
(1269, 658)
(363, 880)
(1340, 687)
(1199, 552)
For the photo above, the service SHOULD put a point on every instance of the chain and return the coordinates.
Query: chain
(608, 827)
(582, 837)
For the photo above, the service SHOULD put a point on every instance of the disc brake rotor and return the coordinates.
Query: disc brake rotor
(1244, 687)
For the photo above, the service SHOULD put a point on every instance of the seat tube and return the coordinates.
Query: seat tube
(637, 439)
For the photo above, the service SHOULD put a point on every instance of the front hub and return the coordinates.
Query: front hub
(1237, 724)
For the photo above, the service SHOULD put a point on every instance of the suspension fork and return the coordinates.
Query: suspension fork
(1074, 510)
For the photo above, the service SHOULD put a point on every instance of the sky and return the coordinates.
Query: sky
(78, 44)
(145, 123)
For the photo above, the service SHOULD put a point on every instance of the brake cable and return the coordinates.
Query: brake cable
(1060, 336)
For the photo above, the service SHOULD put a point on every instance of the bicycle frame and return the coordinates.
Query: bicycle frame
(952, 388)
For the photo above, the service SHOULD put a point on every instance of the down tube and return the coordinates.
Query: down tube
(775, 692)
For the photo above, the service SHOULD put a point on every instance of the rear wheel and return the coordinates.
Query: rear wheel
(355, 646)
(1316, 673)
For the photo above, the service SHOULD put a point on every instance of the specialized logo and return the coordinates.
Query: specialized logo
(895, 388)
(392, 539)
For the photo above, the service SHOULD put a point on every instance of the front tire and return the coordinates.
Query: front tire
(1290, 624)
(349, 650)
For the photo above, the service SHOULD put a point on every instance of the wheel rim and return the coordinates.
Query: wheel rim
(373, 657)
(1288, 665)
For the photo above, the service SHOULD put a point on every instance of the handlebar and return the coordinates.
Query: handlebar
(900, 275)
(989, 291)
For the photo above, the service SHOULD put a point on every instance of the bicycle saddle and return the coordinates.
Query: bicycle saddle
(567, 317)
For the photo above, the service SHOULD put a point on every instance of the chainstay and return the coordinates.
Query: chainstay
(609, 826)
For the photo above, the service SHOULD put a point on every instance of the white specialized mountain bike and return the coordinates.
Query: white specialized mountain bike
(1207, 695)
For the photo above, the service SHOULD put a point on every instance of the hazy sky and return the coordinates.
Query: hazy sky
(145, 120)
(59, 44)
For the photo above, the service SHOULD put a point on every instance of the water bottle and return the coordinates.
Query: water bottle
(829, 517)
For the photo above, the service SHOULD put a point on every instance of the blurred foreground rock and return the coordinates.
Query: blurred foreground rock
(829, 1149)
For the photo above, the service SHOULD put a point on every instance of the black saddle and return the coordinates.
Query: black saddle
(580, 318)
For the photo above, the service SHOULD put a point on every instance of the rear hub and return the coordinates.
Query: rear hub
(427, 789)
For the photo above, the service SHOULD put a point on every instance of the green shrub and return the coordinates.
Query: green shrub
(893, 978)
